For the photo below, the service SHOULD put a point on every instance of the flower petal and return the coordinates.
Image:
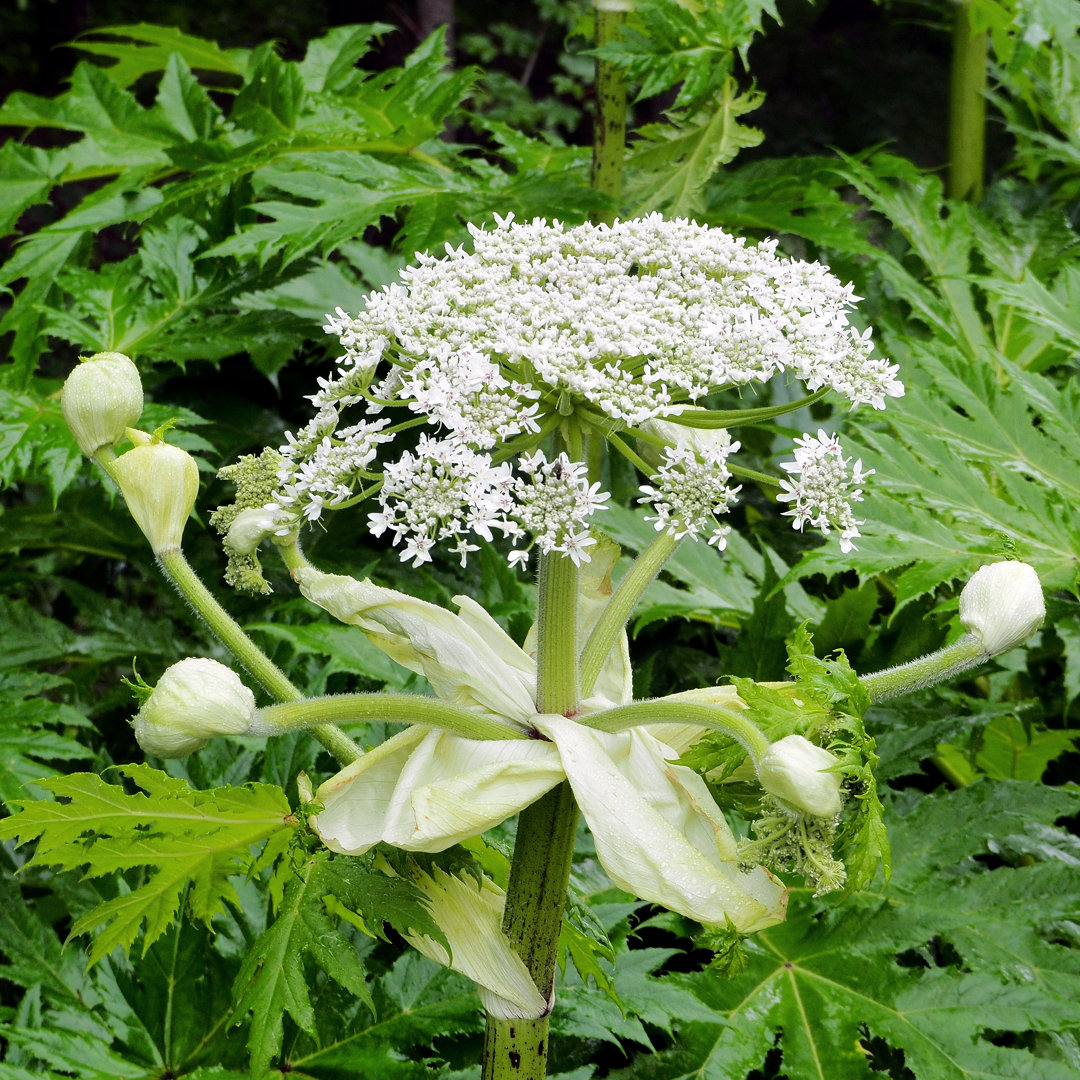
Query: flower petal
(464, 658)
(658, 833)
(424, 790)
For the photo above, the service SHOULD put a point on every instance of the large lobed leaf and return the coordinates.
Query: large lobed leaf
(962, 964)
(191, 841)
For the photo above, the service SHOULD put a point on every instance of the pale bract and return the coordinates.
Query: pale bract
(1002, 605)
(658, 832)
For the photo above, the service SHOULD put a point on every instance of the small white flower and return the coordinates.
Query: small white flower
(825, 488)
(1003, 605)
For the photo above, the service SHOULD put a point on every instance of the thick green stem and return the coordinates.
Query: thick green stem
(228, 630)
(556, 635)
(609, 136)
(620, 606)
(384, 707)
(947, 663)
(544, 848)
(967, 107)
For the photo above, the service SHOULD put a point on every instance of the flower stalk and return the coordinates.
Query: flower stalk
(544, 848)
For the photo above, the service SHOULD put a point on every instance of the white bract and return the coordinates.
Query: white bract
(658, 832)
(194, 701)
(615, 329)
(1002, 605)
(796, 772)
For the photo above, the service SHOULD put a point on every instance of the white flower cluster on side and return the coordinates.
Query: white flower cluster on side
(825, 488)
(692, 490)
(621, 325)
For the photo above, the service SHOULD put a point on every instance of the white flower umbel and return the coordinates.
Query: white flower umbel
(591, 331)
(692, 490)
(825, 488)
(797, 772)
(194, 701)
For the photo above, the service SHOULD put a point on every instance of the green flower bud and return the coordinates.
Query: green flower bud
(793, 771)
(101, 398)
(1002, 605)
(194, 701)
(159, 482)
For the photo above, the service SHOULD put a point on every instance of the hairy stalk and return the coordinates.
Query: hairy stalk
(390, 708)
(620, 605)
(609, 137)
(228, 630)
(729, 721)
(540, 869)
(967, 107)
(963, 655)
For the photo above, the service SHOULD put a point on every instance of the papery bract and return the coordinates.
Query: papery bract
(657, 830)
(1003, 604)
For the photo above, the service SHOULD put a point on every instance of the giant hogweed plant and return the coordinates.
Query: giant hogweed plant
(476, 400)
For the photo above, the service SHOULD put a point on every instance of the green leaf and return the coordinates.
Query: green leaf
(190, 840)
(670, 164)
(938, 966)
(153, 50)
(1007, 748)
(272, 981)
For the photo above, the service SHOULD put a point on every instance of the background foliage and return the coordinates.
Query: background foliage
(197, 196)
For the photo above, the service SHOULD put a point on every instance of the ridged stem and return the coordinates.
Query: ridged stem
(967, 107)
(544, 848)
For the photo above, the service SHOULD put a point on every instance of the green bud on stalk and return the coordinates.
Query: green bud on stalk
(160, 483)
(101, 398)
(794, 771)
(193, 702)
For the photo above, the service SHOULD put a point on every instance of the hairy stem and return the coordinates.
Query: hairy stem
(228, 630)
(609, 136)
(967, 107)
(947, 663)
(390, 708)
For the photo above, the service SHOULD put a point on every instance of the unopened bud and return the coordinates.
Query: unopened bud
(194, 701)
(793, 770)
(101, 398)
(160, 483)
(1002, 605)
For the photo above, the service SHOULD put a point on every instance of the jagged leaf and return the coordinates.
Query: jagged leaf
(939, 966)
(191, 842)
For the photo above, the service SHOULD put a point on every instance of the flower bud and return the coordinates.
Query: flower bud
(159, 483)
(793, 770)
(101, 398)
(194, 701)
(1002, 605)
